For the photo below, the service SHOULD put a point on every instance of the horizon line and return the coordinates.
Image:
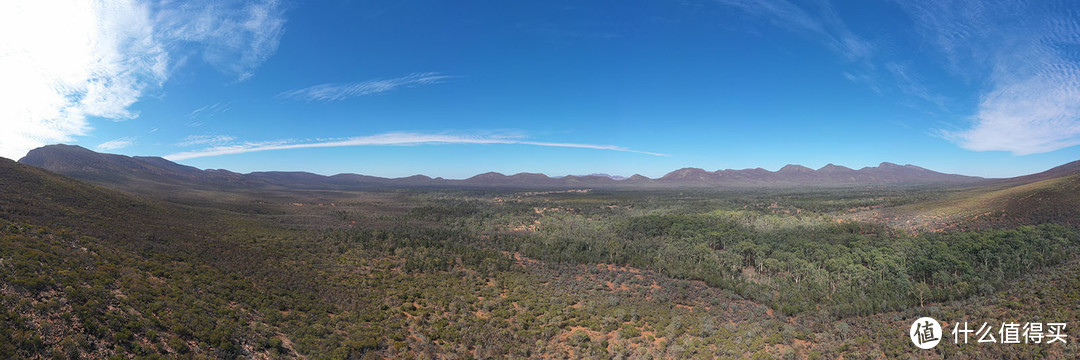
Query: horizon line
(607, 175)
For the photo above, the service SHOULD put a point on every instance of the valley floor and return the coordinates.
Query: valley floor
(95, 273)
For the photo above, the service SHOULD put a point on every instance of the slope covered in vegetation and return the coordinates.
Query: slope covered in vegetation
(1004, 205)
(91, 272)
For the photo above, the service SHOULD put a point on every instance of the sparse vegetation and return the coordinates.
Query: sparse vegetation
(91, 272)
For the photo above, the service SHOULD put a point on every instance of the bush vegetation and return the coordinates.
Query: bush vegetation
(95, 273)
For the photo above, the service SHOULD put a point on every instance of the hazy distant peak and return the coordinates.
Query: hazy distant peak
(609, 176)
(416, 177)
(688, 171)
(792, 168)
(529, 174)
(688, 174)
(831, 168)
(487, 175)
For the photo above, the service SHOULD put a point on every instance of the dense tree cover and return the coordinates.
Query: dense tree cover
(855, 268)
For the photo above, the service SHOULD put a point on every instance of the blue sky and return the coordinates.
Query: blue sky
(453, 89)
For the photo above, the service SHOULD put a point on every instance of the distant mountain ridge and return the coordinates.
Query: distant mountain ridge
(828, 175)
(85, 164)
(612, 177)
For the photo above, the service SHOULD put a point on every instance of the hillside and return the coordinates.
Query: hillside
(130, 172)
(1048, 197)
(91, 272)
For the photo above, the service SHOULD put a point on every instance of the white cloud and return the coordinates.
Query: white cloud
(116, 144)
(206, 140)
(1026, 54)
(233, 36)
(64, 62)
(396, 138)
(1027, 116)
(336, 92)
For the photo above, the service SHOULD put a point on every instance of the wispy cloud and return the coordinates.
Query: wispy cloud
(864, 77)
(912, 84)
(960, 30)
(64, 61)
(193, 140)
(1025, 53)
(1021, 56)
(337, 92)
(819, 21)
(233, 36)
(211, 110)
(389, 139)
(116, 144)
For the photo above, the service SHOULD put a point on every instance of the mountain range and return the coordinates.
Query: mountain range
(81, 163)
